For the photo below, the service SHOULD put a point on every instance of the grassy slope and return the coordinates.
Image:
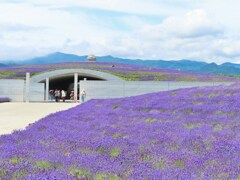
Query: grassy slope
(127, 72)
(185, 134)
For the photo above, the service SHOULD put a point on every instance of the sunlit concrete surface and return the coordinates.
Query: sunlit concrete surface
(17, 116)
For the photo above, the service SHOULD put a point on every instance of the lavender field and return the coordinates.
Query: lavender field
(4, 100)
(126, 72)
(182, 134)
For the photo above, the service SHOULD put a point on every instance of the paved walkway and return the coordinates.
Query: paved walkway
(18, 115)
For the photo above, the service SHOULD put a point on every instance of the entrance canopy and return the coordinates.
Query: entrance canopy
(64, 79)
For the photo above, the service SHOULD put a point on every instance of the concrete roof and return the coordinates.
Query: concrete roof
(68, 72)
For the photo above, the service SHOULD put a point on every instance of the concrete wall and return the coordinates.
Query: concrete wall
(36, 92)
(13, 89)
(114, 89)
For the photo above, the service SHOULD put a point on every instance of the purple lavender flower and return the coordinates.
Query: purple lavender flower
(127, 72)
(4, 99)
(182, 134)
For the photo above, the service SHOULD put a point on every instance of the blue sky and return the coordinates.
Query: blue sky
(202, 30)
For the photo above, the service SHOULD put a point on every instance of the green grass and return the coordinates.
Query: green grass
(115, 106)
(80, 173)
(116, 135)
(217, 128)
(15, 160)
(106, 176)
(115, 152)
(43, 165)
(179, 163)
(3, 173)
(188, 111)
(192, 125)
(218, 113)
(150, 120)
(19, 174)
(101, 150)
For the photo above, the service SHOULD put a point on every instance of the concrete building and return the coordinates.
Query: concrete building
(97, 85)
(91, 57)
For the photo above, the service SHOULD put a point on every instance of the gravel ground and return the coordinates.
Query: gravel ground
(17, 116)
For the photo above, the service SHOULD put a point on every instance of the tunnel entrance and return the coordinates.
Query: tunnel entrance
(66, 83)
(63, 79)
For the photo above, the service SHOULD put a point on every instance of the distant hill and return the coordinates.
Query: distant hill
(184, 65)
(227, 69)
(3, 65)
(228, 64)
(55, 58)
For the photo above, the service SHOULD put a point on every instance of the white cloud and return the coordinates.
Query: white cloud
(178, 29)
(150, 7)
(44, 30)
(191, 36)
(192, 25)
(227, 48)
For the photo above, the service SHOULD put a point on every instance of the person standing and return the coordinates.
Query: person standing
(57, 95)
(51, 94)
(83, 95)
(72, 95)
(63, 95)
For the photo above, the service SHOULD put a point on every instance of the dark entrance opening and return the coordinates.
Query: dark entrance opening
(66, 83)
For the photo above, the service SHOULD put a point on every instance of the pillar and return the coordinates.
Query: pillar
(75, 86)
(27, 87)
(79, 86)
(47, 89)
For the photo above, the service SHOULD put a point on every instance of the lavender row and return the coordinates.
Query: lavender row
(4, 99)
(127, 72)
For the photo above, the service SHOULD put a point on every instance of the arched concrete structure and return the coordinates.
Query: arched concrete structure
(99, 85)
(66, 72)
(46, 77)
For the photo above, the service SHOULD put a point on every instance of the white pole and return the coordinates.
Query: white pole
(47, 89)
(75, 86)
(27, 86)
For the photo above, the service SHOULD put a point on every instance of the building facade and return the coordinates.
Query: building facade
(98, 85)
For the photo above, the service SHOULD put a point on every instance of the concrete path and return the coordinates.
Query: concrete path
(16, 116)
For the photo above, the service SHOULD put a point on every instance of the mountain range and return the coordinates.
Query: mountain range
(3, 65)
(184, 65)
